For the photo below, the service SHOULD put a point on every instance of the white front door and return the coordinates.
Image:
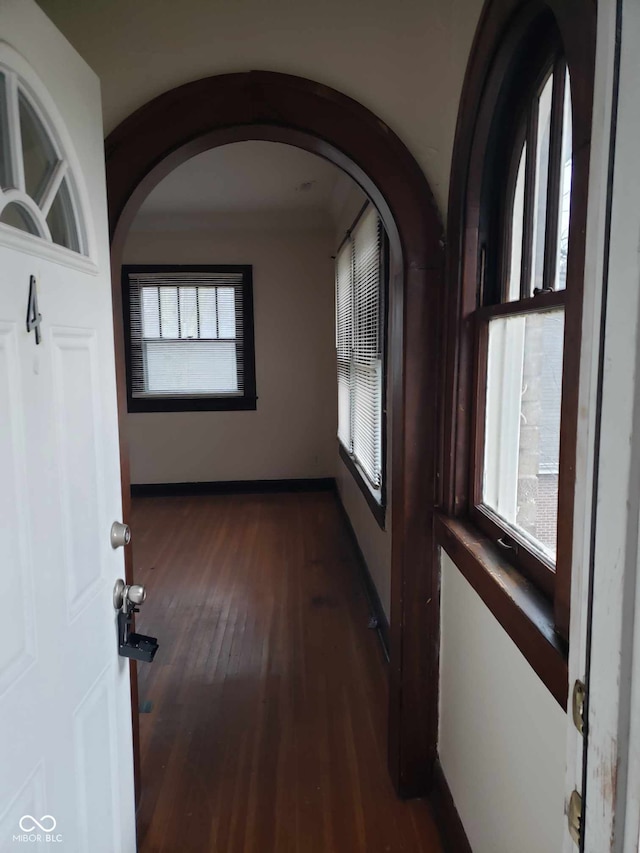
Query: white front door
(66, 763)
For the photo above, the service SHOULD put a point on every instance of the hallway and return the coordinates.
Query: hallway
(267, 724)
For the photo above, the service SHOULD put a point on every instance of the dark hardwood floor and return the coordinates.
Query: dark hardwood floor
(267, 727)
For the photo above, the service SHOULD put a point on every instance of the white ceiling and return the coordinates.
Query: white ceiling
(248, 178)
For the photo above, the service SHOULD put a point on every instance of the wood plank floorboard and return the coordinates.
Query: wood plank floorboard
(267, 727)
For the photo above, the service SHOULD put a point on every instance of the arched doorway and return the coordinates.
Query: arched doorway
(276, 107)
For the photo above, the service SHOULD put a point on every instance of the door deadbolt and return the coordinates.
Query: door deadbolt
(120, 534)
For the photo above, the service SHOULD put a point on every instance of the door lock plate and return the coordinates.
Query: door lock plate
(575, 817)
(578, 704)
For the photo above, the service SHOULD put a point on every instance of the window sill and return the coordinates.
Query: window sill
(524, 613)
(192, 404)
(378, 510)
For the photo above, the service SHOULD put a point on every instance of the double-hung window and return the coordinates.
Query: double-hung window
(189, 333)
(521, 332)
(515, 282)
(360, 327)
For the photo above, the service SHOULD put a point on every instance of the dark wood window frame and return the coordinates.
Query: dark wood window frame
(378, 508)
(516, 45)
(182, 403)
(505, 147)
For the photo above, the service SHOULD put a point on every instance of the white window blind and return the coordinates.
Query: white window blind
(187, 334)
(359, 345)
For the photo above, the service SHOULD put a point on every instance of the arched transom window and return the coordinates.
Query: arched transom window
(36, 187)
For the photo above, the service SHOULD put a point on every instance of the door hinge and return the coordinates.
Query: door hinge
(575, 817)
(577, 705)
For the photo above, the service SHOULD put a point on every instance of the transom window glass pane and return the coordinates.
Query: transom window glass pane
(566, 167)
(18, 217)
(5, 155)
(62, 221)
(543, 137)
(31, 166)
(522, 424)
(517, 230)
(38, 153)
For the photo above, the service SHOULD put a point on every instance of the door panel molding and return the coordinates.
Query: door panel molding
(16, 656)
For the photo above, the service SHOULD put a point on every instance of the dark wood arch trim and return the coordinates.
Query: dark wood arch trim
(270, 106)
(503, 29)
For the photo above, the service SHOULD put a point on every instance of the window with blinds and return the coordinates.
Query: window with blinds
(359, 344)
(190, 341)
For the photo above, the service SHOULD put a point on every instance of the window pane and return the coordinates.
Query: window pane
(366, 366)
(150, 312)
(366, 424)
(191, 367)
(37, 151)
(188, 313)
(522, 425)
(5, 155)
(169, 312)
(61, 220)
(540, 187)
(565, 190)
(208, 312)
(359, 346)
(227, 312)
(344, 341)
(344, 405)
(16, 215)
(517, 227)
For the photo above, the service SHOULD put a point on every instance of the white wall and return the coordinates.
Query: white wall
(502, 734)
(405, 61)
(292, 433)
(374, 542)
